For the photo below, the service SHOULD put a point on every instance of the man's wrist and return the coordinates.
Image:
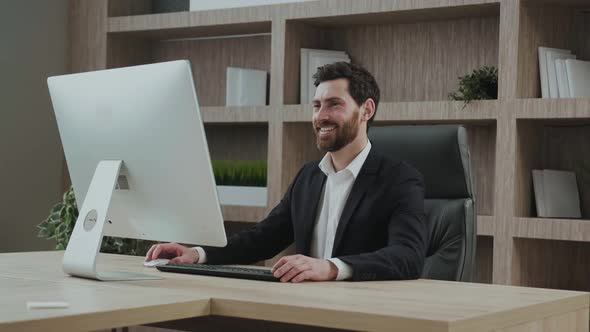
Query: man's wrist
(201, 256)
(333, 270)
(344, 270)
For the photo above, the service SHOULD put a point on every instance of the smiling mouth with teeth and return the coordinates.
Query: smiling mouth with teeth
(327, 129)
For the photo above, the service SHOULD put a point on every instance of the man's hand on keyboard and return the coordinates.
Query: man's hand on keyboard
(297, 268)
(176, 253)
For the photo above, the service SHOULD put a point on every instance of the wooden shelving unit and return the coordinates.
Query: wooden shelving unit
(416, 50)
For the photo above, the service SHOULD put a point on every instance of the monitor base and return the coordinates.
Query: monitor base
(84, 245)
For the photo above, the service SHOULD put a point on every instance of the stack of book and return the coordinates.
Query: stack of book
(562, 76)
(556, 194)
(311, 59)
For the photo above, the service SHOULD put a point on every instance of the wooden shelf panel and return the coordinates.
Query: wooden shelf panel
(485, 225)
(438, 111)
(345, 12)
(235, 114)
(576, 3)
(552, 229)
(425, 111)
(251, 214)
(548, 109)
(223, 22)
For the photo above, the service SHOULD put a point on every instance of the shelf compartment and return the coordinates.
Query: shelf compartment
(237, 141)
(484, 260)
(209, 57)
(235, 114)
(411, 61)
(549, 23)
(551, 144)
(552, 229)
(551, 264)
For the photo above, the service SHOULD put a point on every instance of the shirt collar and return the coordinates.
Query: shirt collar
(354, 167)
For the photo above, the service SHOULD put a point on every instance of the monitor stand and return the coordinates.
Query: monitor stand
(84, 245)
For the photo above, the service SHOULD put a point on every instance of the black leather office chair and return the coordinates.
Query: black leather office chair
(441, 154)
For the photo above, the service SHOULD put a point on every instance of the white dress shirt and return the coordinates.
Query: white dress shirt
(334, 196)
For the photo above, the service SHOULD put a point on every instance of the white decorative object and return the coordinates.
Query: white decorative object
(311, 59)
(552, 56)
(245, 196)
(562, 81)
(245, 87)
(556, 194)
(578, 74)
(543, 66)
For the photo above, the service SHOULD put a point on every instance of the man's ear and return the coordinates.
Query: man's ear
(368, 109)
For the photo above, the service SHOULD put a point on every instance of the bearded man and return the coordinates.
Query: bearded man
(353, 215)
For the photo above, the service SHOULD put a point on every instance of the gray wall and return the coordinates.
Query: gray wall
(34, 44)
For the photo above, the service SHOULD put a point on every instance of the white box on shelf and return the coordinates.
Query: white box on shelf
(562, 81)
(578, 75)
(543, 65)
(311, 59)
(552, 56)
(243, 196)
(556, 194)
(245, 87)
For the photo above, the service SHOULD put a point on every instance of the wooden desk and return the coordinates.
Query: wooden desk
(418, 305)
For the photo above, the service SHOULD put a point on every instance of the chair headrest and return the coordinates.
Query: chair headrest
(439, 152)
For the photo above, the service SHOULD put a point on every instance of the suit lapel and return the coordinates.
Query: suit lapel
(310, 215)
(365, 178)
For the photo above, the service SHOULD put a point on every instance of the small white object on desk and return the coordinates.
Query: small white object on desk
(47, 305)
(156, 262)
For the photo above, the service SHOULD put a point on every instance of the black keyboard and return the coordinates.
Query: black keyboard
(220, 271)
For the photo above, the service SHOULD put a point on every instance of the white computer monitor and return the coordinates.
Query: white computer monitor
(136, 150)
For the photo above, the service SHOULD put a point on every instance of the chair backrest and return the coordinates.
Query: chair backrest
(441, 154)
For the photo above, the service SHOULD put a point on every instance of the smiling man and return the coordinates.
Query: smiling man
(354, 215)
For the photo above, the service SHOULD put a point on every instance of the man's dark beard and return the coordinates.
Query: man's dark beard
(345, 134)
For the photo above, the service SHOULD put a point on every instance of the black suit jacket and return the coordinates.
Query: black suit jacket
(382, 233)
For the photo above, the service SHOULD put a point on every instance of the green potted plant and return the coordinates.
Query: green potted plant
(241, 182)
(480, 84)
(59, 226)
